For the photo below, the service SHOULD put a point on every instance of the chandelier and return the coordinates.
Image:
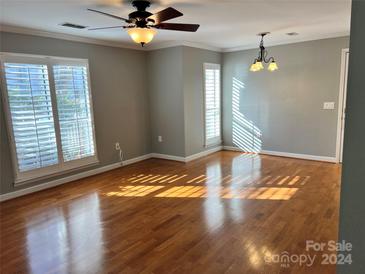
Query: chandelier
(262, 58)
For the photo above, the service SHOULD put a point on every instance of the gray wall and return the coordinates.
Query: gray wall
(193, 60)
(165, 87)
(352, 207)
(282, 110)
(118, 85)
(175, 78)
(147, 94)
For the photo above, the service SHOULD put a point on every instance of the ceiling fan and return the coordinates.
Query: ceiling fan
(141, 24)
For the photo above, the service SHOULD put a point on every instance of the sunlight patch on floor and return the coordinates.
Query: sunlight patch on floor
(134, 191)
(250, 193)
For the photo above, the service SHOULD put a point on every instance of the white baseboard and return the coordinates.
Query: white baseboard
(188, 158)
(53, 183)
(203, 153)
(168, 157)
(231, 148)
(21, 192)
(289, 155)
(137, 159)
(300, 156)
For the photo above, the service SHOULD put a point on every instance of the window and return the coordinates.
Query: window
(212, 102)
(49, 111)
(74, 116)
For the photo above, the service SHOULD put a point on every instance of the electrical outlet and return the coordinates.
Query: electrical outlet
(329, 105)
(159, 138)
(117, 146)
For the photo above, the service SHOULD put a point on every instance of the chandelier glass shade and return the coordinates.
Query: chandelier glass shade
(257, 64)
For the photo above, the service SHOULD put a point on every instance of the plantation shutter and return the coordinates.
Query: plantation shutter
(73, 103)
(31, 115)
(212, 104)
(47, 102)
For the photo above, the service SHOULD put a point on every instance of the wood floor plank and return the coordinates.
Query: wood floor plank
(224, 213)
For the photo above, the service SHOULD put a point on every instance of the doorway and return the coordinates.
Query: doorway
(342, 104)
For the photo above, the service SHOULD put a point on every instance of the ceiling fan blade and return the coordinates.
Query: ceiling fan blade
(106, 28)
(110, 15)
(179, 27)
(164, 15)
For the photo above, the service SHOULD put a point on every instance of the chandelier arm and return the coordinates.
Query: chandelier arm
(271, 59)
(265, 55)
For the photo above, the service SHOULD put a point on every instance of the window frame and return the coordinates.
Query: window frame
(22, 177)
(216, 140)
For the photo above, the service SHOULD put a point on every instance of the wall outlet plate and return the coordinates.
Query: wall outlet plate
(159, 138)
(117, 146)
(329, 105)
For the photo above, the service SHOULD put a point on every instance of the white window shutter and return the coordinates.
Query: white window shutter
(212, 102)
(31, 115)
(49, 113)
(73, 104)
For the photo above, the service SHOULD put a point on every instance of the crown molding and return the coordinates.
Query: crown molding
(161, 45)
(68, 37)
(75, 38)
(287, 42)
(170, 44)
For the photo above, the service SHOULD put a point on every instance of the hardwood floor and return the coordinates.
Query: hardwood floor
(224, 213)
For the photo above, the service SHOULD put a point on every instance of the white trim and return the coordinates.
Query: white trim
(232, 148)
(168, 157)
(99, 170)
(68, 37)
(75, 38)
(6, 54)
(23, 177)
(341, 102)
(289, 155)
(300, 156)
(203, 153)
(170, 44)
(188, 158)
(288, 42)
(50, 184)
(136, 159)
(157, 45)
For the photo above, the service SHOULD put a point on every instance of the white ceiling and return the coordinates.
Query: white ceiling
(225, 24)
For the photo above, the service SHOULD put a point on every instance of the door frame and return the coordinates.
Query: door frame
(342, 103)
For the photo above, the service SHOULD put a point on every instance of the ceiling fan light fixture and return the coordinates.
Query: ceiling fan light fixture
(142, 23)
(142, 35)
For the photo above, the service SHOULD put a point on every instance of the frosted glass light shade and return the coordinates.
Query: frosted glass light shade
(141, 35)
(257, 66)
(273, 66)
(253, 67)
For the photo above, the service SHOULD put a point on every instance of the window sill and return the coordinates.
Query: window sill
(66, 170)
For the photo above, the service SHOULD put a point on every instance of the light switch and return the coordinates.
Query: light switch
(329, 105)
(159, 138)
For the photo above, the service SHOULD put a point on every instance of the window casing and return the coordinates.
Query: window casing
(212, 104)
(48, 106)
